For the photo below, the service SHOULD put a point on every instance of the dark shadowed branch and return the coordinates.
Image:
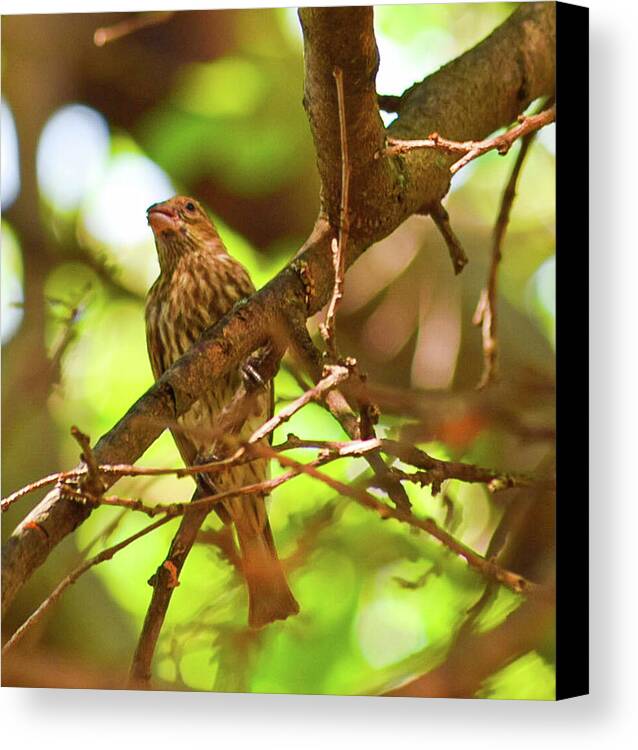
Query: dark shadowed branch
(473, 659)
(442, 220)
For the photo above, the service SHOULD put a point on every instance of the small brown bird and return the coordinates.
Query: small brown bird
(198, 284)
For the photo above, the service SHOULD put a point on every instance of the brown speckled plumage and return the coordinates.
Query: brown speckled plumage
(198, 284)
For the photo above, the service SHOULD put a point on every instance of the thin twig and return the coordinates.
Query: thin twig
(471, 150)
(438, 470)
(246, 453)
(206, 502)
(243, 330)
(106, 554)
(9, 500)
(338, 405)
(242, 455)
(442, 220)
(311, 359)
(333, 376)
(488, 568)
(107, 34)
(486, 310)
(166, 578)
(328, 330)
(432, 472)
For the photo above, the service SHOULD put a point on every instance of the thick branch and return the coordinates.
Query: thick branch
(471, 97)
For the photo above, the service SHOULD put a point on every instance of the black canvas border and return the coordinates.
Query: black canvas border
(572, 350)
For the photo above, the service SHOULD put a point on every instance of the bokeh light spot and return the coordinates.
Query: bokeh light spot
(114, 223)
(232, 86)
(116, 212)
(388, 630)
(72, 154)
(9, 158)
(12, 274)
(541, 293)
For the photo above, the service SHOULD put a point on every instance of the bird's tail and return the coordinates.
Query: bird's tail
(269, 596)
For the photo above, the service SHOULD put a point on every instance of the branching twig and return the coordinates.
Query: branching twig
(438, 470)
(106, 554)
(486, 310)
(339, 247)
(167, 575)
(473, 149)
(308, 354)
(334, 375)
(206, 502)
(488, 568)
(92, 482)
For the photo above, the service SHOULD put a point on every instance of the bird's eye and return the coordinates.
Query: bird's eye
(190, 207)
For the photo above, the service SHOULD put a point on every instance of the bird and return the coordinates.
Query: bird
(199, 282)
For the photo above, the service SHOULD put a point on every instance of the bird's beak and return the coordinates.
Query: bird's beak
(162, 218)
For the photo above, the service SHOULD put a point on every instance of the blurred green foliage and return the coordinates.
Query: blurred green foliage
(379, 602)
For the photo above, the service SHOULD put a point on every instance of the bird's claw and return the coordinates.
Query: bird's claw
(252, 379)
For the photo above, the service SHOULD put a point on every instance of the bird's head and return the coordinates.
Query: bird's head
(180, 225)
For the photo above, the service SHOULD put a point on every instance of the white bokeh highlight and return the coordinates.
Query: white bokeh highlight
(116, 211)
(113, 222)
(72, 154)
(9, 158)
(389, 630)
(11, 292)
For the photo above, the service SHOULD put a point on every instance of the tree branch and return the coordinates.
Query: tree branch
(482, 90)
(442, 220)
(164, 581)
(480, 655)
(488, 568)
(470, 150)
(486, 313)
(101, 557)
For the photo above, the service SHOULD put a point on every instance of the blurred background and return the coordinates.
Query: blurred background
(209, 104)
